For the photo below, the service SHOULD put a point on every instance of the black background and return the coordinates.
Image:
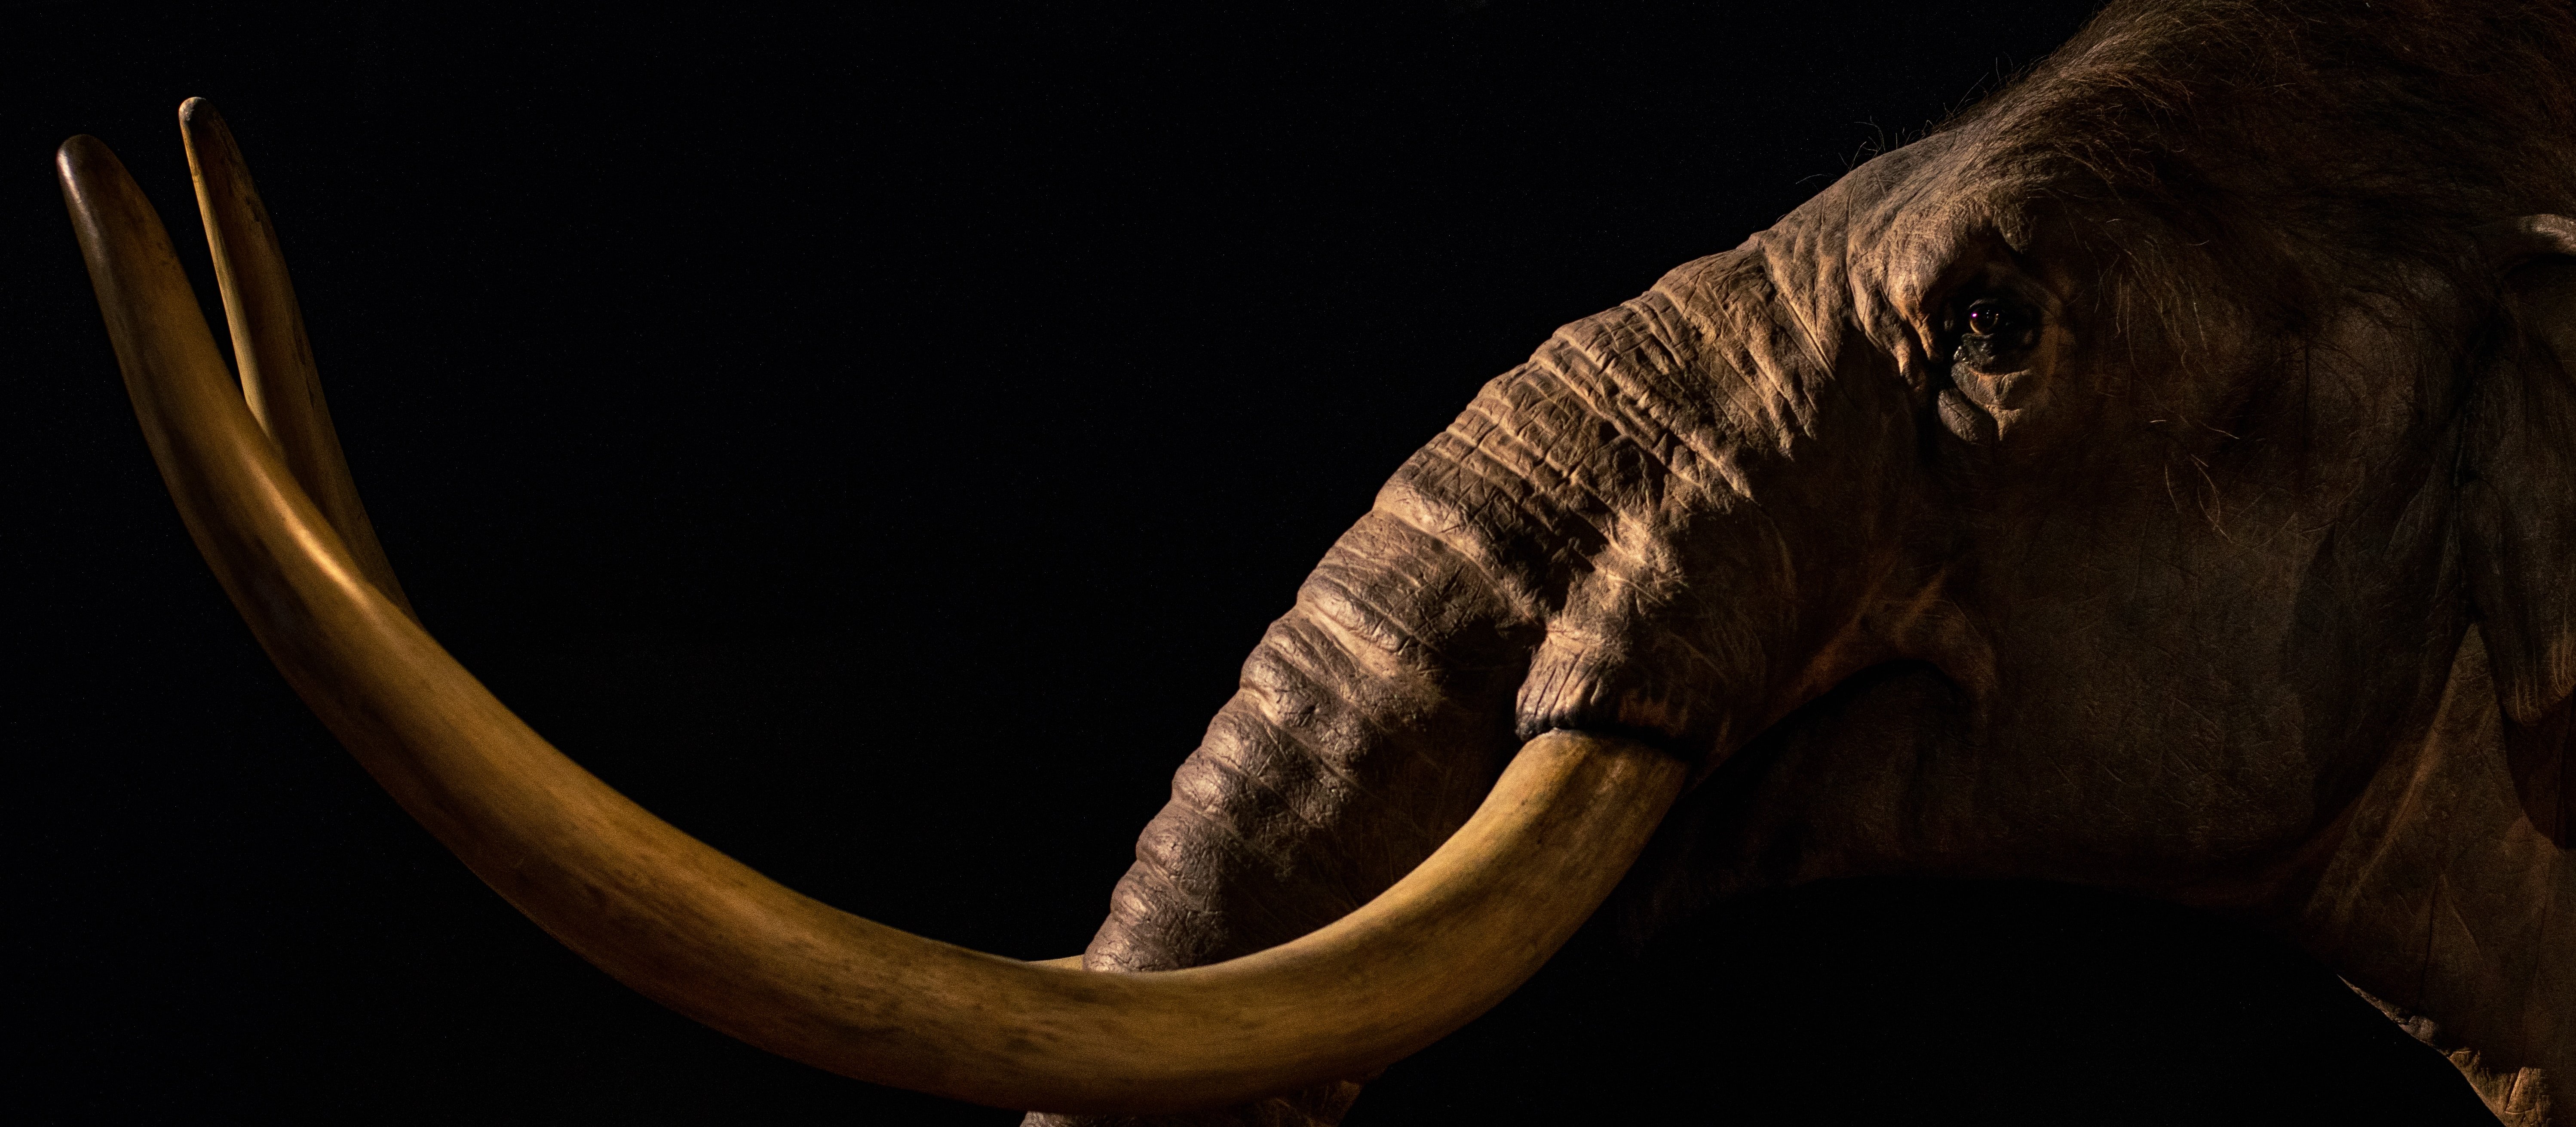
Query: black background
(872, 442)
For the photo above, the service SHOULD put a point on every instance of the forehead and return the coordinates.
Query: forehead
(1883, 244)
(2183, 312)
(1916, 202)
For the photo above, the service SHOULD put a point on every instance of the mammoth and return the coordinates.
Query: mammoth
(2157, 478)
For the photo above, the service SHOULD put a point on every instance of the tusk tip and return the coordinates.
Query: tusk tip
(82, 153)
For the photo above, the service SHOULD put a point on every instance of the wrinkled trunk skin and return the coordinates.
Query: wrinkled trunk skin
(1605, 540)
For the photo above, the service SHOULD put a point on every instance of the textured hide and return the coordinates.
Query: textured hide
(2132, 463)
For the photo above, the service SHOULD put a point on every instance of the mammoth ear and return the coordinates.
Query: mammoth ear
(2518, 512)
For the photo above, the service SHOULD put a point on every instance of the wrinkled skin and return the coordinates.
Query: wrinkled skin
(2227, 576)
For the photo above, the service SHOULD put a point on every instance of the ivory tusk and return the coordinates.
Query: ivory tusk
(705, 935)
(277, 374)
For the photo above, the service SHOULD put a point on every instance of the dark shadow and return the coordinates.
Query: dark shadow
(1902, 1000)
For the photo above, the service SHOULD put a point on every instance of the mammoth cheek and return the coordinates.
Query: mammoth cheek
(1965, 419)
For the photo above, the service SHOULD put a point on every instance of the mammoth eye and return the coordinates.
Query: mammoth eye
(1987, 318)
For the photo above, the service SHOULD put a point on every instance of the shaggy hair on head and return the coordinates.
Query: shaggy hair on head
(2302, 148)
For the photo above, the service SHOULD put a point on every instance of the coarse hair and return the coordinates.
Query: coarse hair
(2299, 147)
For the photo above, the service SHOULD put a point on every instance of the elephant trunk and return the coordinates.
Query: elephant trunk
(1524, 574)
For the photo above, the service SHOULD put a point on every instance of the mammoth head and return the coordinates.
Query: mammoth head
(2093, 490)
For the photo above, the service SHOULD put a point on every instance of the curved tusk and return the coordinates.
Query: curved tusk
(709, 937)
(277, 375)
